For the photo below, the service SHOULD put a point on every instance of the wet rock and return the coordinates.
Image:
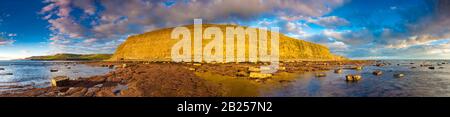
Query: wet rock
(338, 71)
(62, 89)
(53, 70)
(377, 72)
(356, 68)
(79, 93)
(60, 81)
(72, 90)
(38, 92)
(197, 64)
(97, 79)
(61, 94)
(111, 66)
(399, 75)
(98, 86)
(49, 94)
(91, 91)
(352, 77)
(258, 81)
(379, 65)
(430, 67)
(242, 73)
(254, 69)
(191, 69)
(259, 75)
(7, 74)
(321, 75)
(118, 89)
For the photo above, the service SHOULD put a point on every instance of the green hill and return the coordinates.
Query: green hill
(65, 56)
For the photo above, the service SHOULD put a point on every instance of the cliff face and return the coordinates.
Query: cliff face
(157, 45)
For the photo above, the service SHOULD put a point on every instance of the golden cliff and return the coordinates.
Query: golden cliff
(157, 45)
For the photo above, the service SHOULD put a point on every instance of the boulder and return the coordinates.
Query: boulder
(321, 75)
(399, 75)
(53, 70)
(338, 71)
(430, 67)
(379, 65)
(259, 75)
(242, 73)
(377, 72)
(98, 86)
(352, 77)
(191, 69)
(79, 93)
(356, 68)
(111, 66)
(60, 81)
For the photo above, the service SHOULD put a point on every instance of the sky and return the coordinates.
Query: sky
(358, 29)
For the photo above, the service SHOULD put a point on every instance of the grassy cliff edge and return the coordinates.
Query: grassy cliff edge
(65, 56)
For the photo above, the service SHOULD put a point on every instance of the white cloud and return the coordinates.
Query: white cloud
(12, 35)
(329, 21)
(6, 41)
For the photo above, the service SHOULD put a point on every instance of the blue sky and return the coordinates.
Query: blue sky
(359, 29)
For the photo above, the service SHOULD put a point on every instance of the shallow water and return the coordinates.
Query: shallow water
(420, 81)
(36, 74)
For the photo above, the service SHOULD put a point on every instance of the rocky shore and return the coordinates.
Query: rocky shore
(166, 79)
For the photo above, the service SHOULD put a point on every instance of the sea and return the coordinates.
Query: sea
(418, 81)
(20, 75)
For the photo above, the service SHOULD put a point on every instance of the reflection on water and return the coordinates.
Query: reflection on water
(419, 81)
(29, 74)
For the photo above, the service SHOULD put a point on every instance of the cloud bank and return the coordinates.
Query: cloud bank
(98, 26)
(101, 25)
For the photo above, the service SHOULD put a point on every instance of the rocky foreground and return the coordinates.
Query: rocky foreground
(146, 79)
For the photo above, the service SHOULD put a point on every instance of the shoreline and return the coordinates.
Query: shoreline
(167, 79)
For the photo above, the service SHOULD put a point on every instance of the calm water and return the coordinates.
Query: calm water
(29, 74)
(419, 81)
